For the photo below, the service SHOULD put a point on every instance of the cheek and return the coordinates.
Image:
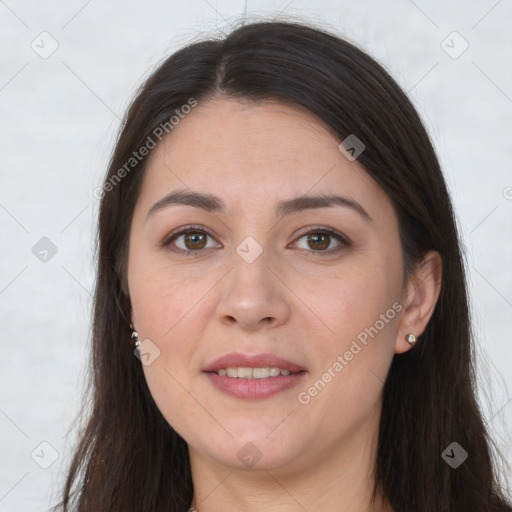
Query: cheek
(159, 294)
(168, 315)
(359, 306)
(351, 298)
(171, 310)
(174, 396)
(167, 312)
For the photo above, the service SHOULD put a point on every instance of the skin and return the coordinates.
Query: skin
(290, 301)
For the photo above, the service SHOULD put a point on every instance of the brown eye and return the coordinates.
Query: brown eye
(321, 241)
(195, 240)
(187, 240)
(318, 241)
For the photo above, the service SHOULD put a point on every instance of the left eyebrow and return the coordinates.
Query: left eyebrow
(301, 203)
(211, 203)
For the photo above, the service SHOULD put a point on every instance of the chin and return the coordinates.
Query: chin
(252, 451)
(250, 457)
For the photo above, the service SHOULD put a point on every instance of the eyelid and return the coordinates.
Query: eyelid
(323, 229)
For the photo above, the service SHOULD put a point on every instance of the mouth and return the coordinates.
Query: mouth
(253, 376)
(248, 373)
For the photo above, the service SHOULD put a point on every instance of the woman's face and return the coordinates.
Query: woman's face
(253, 277)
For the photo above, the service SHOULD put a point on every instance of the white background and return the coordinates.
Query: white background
(59, 119)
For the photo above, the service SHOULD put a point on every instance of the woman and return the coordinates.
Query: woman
(281, 316)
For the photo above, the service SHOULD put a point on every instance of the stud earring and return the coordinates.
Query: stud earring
(135, 337)
(410, 338)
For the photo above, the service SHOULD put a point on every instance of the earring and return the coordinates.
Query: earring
(410, 338)
(135, 337)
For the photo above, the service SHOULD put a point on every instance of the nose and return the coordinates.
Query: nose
(253, 297)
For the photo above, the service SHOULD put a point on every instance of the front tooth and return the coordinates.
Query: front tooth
(232, 372)
(275, 372)
(260, 373)
(244, 373)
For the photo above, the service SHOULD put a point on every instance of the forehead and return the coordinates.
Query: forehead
(255, 133)
(263, 152)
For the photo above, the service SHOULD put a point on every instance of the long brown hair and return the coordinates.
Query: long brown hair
(128, 457)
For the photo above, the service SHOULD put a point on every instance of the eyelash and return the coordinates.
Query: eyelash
(343, 241)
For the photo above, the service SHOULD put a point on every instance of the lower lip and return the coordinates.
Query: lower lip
(254, 389)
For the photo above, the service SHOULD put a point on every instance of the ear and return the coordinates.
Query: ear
(132, 317)
(419, 299)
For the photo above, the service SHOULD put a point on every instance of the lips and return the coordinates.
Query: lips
(236, 359)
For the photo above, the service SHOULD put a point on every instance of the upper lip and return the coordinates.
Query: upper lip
(235, 360)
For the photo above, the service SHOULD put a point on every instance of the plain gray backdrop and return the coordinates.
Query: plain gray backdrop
(68, 72)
